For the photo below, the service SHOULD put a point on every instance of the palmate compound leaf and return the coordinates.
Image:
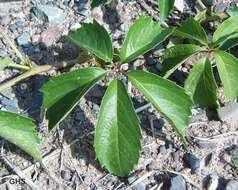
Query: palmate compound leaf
(117, 137)
(20, 131)
(225, 30)
(227, 66)
(176, 55)
(94, 38)
(142, 36)
(201, 84)
(62, 93)
(165, 7)
(168, 98)
(193, 30)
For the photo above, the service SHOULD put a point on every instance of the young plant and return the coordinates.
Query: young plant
(117, 138)
(201, 84)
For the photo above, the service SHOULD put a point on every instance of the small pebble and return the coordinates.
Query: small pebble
(158, 123)
(131, 179)
(162, 149)
(177, 183)
(175, 156)
(3, 52)
(139, 186)
(49, 13)
(96, 107)
(5, 20)
(24, 39)
(213, 182)
(232, 185)
(50, 35)
(192, 161)
(66, 175)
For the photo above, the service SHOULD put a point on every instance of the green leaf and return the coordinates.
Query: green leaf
(193, 30)
(62, 93)
(96, 3)
(232, 11)
(176, 55)
(201, 84)
(165, 7)
(94, 38)
(168, 98)
(143, 36)
(227, 66)
(20, 131)
(229, 43)
(225, 30)
(117, 138)
(5, 62)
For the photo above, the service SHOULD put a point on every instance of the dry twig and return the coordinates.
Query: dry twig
(17, 171)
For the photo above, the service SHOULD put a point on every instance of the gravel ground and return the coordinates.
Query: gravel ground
(38, 27)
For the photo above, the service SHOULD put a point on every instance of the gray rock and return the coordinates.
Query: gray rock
(5, 20)
(10, 104)
(3, 52)
(229, 113)
(232, 185)
(124, 27)
(213, 182)
(96, 107)
(139, 186)
(192, 162)
(159, 123)
(150, 61)
(177, 183)
(50, 36)
(175, 156)
(131, 179)
(19, 25)
(24, 39)
(49, 13)
(162, 149)
(220, 7)
(66, 175)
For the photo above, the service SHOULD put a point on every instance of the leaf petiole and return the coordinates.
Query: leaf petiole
(19, 66)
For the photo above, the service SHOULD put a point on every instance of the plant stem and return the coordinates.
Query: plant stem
(18, 66)
(31, 72)
(40, 69)
(201, 4)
